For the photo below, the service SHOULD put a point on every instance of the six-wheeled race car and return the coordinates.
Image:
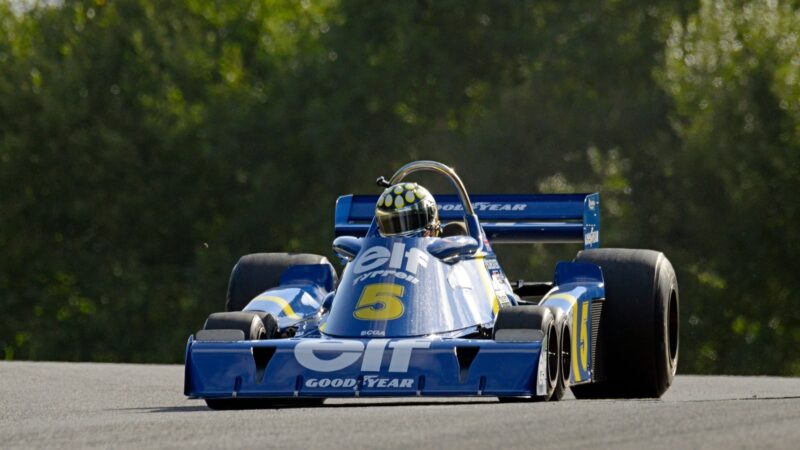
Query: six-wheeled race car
(423, 308)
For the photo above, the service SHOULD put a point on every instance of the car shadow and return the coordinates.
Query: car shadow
(404, 403)
(290, 405)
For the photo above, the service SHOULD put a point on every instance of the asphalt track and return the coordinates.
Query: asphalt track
(64, 405)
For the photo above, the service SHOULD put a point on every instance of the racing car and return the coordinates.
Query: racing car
(424, 308)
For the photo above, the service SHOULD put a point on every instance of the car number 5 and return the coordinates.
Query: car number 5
(380, 301)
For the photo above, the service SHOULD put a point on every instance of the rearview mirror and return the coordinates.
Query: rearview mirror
(347, 247)
(451, 249)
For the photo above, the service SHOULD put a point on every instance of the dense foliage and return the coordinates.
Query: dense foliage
(145, 145)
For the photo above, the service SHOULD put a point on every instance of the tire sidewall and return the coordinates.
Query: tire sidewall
(549, 327)
(635, 324)
(257, 329)
(665, 287)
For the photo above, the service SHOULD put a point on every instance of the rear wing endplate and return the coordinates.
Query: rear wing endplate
(550, 218)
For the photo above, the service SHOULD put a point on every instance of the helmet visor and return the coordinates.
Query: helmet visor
(413, 218)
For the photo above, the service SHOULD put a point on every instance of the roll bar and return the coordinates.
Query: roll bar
(433, 166)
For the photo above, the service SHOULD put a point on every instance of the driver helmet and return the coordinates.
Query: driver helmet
(407, 209)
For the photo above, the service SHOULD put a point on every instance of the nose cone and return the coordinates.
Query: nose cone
(395, 288)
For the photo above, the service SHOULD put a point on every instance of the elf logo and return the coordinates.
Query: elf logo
(332, 355)
(398, 262)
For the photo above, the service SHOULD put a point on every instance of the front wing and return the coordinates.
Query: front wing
(321, 367)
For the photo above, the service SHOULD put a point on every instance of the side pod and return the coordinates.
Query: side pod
(580, 293)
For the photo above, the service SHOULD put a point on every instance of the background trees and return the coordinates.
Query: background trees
(145, 145)
(733, 73)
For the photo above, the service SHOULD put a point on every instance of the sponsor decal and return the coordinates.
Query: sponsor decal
(591, 237)
(398, 263)
(331, 382)
(386, 273)
(592, 204)
(491, 264)
(371, 333)
(368, 381)
(349, 352)
(499, 283)
(484, 206)
(376, 381)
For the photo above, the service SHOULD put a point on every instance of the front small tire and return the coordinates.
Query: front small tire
(564, 362)
(519, 324)
(255, 325)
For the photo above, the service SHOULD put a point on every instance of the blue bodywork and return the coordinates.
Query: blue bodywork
(405, 322)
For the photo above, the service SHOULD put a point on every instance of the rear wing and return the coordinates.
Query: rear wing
(506, 219)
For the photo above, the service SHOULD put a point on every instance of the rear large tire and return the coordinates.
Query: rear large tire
(257, 272)
(529, 323)
(639, 324)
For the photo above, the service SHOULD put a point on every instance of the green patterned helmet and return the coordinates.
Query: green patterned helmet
(406, 209)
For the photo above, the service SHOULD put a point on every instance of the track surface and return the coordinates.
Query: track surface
(62, 405)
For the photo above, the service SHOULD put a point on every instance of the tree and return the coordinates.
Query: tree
(733, 72)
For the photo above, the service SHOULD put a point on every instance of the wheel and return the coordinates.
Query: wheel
(563, 358)
(255, 325)
(639, 324)
(528, 323)
(562, 353)
(257, 272)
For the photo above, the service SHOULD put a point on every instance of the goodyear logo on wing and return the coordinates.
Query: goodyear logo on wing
(484, 206)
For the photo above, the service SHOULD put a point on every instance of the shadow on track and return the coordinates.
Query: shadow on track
(289, 405)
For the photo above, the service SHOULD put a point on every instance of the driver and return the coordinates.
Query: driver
(407, 209)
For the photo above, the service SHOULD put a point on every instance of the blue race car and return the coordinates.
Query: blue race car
(423, 308)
